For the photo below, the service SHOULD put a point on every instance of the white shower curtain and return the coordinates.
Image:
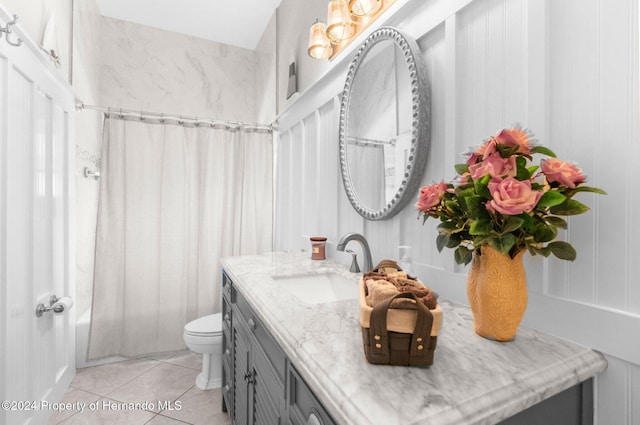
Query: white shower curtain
(174, 199)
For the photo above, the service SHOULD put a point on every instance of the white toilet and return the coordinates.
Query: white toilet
(204, 335)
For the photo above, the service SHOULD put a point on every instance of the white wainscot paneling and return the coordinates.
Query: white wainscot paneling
(568, 70)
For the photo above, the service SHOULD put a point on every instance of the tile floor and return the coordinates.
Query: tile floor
(147, 391)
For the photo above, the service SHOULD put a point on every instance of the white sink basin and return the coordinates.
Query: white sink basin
(320, 288)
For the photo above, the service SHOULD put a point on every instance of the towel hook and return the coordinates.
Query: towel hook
(7, 31)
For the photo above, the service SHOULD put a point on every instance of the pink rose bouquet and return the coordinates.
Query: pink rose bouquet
(500, 199)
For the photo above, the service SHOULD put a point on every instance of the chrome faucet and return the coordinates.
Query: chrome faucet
(368, 264)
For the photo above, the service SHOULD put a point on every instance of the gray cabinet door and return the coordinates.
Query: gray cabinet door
(268, 394)
(241, 374)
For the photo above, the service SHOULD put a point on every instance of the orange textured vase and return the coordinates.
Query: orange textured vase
(497, 291)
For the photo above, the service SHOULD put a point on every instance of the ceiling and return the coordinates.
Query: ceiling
(239, 23)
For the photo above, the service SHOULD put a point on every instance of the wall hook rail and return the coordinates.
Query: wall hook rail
(8, 32)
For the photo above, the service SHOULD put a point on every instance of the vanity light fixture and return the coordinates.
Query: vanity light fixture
(362, 8)
(345, 20)
(319, 45)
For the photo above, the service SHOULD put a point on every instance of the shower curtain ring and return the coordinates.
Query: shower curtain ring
(141, 117)
(162, 117)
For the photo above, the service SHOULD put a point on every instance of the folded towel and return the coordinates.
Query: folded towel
(383, 283)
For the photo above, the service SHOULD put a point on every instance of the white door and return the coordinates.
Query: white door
(37, 360)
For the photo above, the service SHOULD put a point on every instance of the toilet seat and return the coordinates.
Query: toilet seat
(210, 325)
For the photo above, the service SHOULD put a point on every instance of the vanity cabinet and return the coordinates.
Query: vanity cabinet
(263, 385)
(254, 375)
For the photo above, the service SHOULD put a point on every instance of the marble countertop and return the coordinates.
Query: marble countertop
(472, 381)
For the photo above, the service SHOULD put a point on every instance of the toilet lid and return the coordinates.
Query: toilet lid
(206, 325)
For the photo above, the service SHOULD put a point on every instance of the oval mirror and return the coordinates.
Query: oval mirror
(384, 124)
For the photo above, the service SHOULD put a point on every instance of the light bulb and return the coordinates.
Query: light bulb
(319, 45)
(339, 24)
(362, 8)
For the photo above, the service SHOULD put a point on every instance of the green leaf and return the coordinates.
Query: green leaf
(454, 206)
(461, 168)
(465, 191)
(544, 251)
(551, 198)
(454, 240)
(513, 223)
(563, 250)
(527, 220)
(474, 205)
(447, 227)
(558, 222)
(482, 188)
(463, 255)
(481, 227)
(522, 173)
(506, 151)
(544, 151)
(569, 207)
(586, 189)
(544, 233)
(503, 243)
(441, 241)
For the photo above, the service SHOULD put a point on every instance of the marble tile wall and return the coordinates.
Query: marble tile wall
(160, 71)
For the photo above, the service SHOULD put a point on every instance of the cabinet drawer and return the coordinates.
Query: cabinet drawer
(303, 404)
(271, 349)
(226, 285)
(227, 314)
(227, 392)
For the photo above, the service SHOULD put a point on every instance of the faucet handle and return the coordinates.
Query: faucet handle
(355, 268)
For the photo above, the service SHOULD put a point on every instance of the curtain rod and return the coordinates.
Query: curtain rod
(178, 119)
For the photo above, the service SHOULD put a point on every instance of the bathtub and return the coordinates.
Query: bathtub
(82, 344)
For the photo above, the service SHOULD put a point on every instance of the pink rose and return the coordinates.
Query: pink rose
(565, 173)
(484, 150)
(495, 166)
(430, 196)
(512, 197)
(514, 137)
